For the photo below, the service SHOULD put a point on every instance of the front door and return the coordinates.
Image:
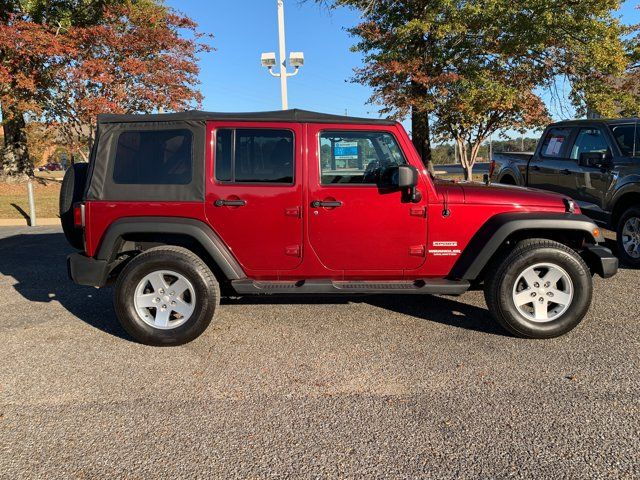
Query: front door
(254, 193)
(591, 182)
(354, 224)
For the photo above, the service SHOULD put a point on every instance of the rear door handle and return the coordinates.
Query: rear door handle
(328, 204)
(566, 171)
(229, 203)
(535, 167)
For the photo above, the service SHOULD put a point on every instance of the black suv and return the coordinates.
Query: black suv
(597, 163)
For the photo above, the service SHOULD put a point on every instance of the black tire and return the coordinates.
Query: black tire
(623, 253)
(504, 273)
(507, 180)
(72, 191)
(183, 262)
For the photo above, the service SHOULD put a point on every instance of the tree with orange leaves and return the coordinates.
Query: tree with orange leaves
(65, 62)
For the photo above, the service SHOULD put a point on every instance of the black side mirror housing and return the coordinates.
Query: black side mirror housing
(407, 176)
(595, 159)
(402, 177)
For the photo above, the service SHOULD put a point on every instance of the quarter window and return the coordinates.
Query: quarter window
(626, 136)
(153, 157)
(254, 156)
(589, 140)
(555, 142)
(357, 157)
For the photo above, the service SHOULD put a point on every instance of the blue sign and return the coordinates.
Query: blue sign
(346, 150)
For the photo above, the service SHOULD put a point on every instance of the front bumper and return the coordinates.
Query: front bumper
(85, 270)
(601, 260)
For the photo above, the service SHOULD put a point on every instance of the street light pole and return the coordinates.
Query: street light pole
(283, 56)
(296, 59)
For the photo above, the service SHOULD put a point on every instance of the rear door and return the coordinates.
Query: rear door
(354, 225)
(254, 192)
(551, 157)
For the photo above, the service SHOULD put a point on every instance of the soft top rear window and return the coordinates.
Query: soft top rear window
(154, 157)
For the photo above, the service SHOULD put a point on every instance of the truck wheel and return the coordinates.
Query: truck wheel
(166, 296)
(628, 237)
(542, 289)
(72, 191)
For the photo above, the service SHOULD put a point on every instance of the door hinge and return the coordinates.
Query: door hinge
(292, 251)
(417, 251)
(292, 212)
(418, 212)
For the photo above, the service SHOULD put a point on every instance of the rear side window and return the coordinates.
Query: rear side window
(555, 142)
(357, 157)
(627, 139)
(254, 156)
(153, 157)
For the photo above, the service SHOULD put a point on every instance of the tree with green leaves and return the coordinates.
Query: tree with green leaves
(465, 70)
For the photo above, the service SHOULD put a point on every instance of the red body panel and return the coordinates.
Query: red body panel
(278, 235)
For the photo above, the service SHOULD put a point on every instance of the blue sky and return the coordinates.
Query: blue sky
(233, 79)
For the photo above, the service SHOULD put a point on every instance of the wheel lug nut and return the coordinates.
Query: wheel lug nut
(541, 299)
(164, 307)
(156, 300)
(549, 294)
(536, 285)
(161, 290)
(533, 294)
(173, 303)
(172, 293)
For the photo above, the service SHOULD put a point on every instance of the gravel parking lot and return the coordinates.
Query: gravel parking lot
(399, 387)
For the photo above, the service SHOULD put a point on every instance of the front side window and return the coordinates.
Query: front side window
(589, 140)
(627, 139)
(555, 142)
(357, 157)
(153, 157)
(254, 156)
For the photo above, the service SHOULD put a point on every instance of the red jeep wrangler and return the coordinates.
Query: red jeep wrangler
(178, 209)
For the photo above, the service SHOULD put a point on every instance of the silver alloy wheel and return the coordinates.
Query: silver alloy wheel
(543, 292)
(631, 237)
(164, 299)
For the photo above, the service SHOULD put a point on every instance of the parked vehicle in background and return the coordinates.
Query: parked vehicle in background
(595, 162)
(50, 167)
(177, 209)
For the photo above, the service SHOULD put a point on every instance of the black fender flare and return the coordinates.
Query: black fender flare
(488, 239)
(196, 229)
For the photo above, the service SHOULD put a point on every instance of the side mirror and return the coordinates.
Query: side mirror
(595, 159)
(407, 176)
(402, 177)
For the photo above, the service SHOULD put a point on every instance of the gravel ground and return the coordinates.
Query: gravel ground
(398, 387)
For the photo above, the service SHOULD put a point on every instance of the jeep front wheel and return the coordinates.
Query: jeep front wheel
(166, 296)
(542, 289)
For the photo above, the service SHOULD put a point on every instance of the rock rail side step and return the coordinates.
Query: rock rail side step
(422, 286)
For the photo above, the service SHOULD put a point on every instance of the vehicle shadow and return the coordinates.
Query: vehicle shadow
(37, 263)
(444, 310)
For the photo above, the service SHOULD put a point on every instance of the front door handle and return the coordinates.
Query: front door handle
(230, 203)
(535, 167)
(327, 204)
(566, 171)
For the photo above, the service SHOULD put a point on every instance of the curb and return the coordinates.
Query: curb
(23, 222)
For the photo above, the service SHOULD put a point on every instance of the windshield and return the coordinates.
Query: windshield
(627, 139)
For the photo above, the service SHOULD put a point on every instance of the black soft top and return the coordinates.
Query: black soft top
(291, 116)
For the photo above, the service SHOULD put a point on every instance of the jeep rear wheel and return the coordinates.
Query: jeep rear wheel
(628, 237)
(542, 289)
(166, 296)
